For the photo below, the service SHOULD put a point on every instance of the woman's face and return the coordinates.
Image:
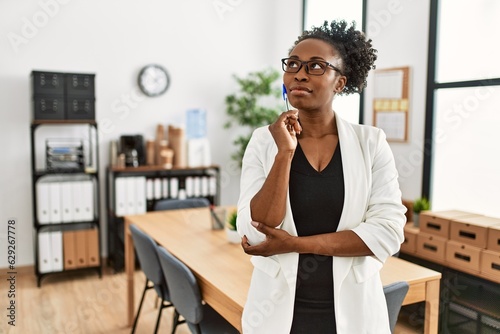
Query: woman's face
(314, 92)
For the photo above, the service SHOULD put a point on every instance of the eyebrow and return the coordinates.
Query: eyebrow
(312, 58)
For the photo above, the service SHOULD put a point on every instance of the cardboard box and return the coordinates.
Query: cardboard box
(463, 257)
(472, 230)
(438, 222)
(490, 265)
(409, 245)
(431, 247)
(493, 243)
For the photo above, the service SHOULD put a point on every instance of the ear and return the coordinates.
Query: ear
(340, 84)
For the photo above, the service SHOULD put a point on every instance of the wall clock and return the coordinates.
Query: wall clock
(153, 80)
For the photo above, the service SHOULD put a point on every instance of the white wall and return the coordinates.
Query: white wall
(399, 30)
(201, 43)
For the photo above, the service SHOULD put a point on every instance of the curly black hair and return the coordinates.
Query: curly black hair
(356, 51)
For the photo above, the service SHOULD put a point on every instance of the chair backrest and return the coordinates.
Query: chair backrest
(172, 204)
(395, 293)
(145, 247)
(184, 290)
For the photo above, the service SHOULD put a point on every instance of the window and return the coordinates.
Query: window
(462, 160)
(315, 13)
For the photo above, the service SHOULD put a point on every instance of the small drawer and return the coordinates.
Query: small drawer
(472, 230)
(490, 265)
(47, 83)
(48, 107)
(409, 245)
(431, 247)
(493, 243)
(80, 108)
(438, 222)
(80, 84)
(463, 257)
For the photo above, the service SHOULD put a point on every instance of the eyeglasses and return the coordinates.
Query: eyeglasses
(313, 67)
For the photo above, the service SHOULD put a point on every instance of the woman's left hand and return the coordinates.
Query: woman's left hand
(277, 241)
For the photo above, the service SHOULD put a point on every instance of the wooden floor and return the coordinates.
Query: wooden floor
(86, 304)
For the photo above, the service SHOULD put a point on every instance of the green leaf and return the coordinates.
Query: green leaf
(247, 108)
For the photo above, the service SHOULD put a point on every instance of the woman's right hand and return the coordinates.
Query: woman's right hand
(285, 131)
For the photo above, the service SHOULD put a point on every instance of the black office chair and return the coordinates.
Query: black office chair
(395, 293)
(148, 259)
(186, 296)
(172, 204)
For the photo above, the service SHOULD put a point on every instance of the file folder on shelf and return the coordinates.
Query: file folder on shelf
(56, 250)
(44, 253)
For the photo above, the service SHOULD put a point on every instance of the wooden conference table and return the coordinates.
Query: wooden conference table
(224, 270)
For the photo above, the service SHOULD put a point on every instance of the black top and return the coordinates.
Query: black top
(316, 199)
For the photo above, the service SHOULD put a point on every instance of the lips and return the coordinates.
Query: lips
(300, 88)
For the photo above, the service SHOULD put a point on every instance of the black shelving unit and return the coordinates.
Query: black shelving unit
(89, 172)
(115, 222)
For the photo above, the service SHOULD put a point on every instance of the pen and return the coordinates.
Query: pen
(285, 97)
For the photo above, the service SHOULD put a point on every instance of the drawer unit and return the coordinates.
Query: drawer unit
(48, 107)
(493, 243)
(409, 245)
(472, 230)
(80, 84)
(490, 265)
(463, 257)
(80, 107)
(47, 83)
(62, 96)
(438, 222)
(431, 247)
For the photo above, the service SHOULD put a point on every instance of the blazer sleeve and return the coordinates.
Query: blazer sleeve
(383, 227)
(253, 176)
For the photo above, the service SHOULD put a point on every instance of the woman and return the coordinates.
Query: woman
(320, 206)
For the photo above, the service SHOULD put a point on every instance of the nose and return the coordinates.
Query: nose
(301, 75)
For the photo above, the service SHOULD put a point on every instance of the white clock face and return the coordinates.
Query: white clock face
(153, 80)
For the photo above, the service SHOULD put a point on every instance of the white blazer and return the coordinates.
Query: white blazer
(372, 209)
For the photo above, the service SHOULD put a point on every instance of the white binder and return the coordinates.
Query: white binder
(149, 189)
(55, 215)
(140, 194)
(130, 194)
(164, 187)
(120, 196)
(78, 205)
(67, 201)
(204, 186)
(43, 204)
(196, 186)
(189, 186)
(157, 188)
(212, 186)
(174, 187)
(44, 250)
(56, 250)
(87, 200)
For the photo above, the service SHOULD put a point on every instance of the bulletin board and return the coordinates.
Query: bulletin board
(391, 102)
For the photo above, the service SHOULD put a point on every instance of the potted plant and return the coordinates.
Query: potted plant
(419, 205)
(256, 104)
(231, 229)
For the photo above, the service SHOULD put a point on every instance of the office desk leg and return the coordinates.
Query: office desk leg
(431, 307)
(129, 270)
